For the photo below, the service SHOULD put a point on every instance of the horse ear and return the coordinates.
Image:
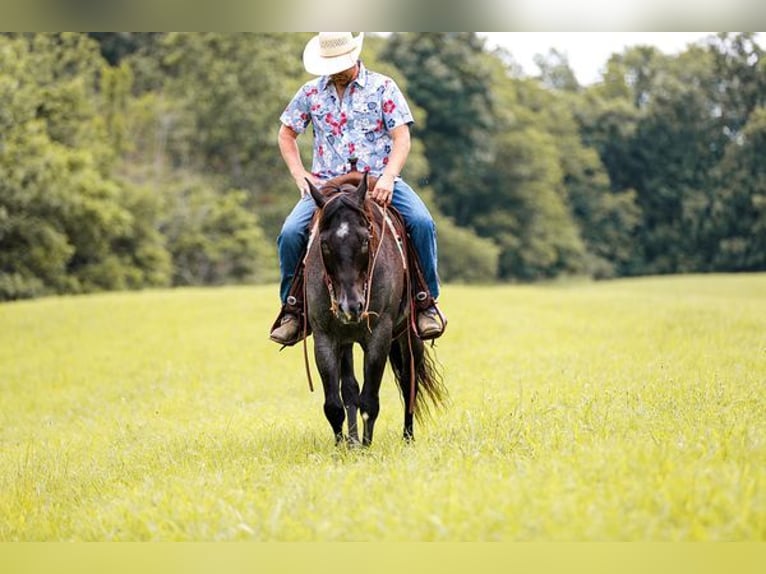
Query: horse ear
(361, 191)
(319, 199)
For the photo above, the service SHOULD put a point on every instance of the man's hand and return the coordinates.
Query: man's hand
(384, 190)
(300, 180)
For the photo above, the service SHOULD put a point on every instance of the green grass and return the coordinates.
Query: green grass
(624, 410)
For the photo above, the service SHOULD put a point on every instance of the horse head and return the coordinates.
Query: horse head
(344, 236)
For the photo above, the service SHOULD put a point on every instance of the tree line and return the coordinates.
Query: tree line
(131, 160)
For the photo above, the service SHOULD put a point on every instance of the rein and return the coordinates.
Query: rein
(386, 224)
(370, 270)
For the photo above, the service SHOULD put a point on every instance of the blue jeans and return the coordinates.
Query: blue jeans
(417, 219)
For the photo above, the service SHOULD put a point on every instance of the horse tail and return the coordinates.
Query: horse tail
(431, 384)
(432, 392)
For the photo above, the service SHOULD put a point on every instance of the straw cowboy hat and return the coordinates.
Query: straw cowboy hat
(332, 52)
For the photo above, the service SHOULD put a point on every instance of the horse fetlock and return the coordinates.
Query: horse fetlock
(370, 409)
(369, 427)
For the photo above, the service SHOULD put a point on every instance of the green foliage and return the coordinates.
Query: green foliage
(141, 247)
(533, 227)
(739, 78)
(526, 204)
(739, 207)
(214, 101)
(447, 76)
(116, 46)
(555, 72)
(66, 225)
(213, 238)
(463, 256)
(662, 126)
(61, 214)
(132, 160)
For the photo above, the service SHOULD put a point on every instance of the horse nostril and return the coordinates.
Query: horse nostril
(351, 307)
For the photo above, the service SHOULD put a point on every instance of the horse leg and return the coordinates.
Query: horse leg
(327, 356)
(376, 353)
(349, 390)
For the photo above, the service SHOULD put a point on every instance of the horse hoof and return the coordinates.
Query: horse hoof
(353, 442)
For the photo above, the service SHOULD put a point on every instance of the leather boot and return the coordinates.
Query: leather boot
(288, 332)
(431, 323)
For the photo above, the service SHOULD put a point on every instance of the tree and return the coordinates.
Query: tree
(447, 76)
(606, 214)
(62, 218)
(738, 212)
(654, 126)
(217, 98)
(116, 46)
(212, 237)
(529, 219)
(739, 71)
(555, 72)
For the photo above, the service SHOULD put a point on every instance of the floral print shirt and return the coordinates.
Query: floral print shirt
(356, 126)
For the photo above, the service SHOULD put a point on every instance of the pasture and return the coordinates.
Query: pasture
(624, 410)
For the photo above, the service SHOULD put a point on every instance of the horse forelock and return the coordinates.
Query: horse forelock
(337, 204)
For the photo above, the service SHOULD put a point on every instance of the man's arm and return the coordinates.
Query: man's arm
(400, 149)
(288, 147)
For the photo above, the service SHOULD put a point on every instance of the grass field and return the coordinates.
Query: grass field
(624, 410)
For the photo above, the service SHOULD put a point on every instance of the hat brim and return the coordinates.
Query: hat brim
(319, 66)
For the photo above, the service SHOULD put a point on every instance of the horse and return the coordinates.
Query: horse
(357, 292)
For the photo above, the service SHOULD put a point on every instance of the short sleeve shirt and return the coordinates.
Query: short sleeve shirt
(357, 126)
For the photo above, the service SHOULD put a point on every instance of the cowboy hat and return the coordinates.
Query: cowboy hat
(332, 52)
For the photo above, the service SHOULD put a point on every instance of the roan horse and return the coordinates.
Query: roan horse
(357, 291)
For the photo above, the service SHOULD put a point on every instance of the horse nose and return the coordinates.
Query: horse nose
(351, 308)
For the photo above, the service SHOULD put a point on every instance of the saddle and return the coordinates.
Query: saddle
(419, 297)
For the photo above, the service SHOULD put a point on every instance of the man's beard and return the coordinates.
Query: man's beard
(340, 80)
(344, 78)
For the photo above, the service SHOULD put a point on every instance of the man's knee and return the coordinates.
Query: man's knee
(291, 229)
(421, 224)
(291, 238)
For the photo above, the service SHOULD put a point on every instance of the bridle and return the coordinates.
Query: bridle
(375, 244)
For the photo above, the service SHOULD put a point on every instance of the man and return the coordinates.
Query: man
(354, 113)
